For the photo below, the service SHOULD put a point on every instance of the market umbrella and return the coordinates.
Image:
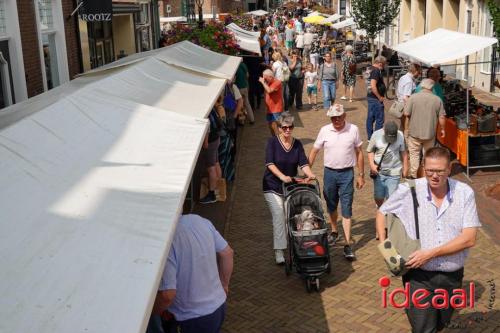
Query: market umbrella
(314, 19)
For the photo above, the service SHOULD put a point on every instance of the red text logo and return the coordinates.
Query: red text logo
(440, 300)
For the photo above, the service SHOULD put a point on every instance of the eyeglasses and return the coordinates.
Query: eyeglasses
(284, 128)
(431, 172)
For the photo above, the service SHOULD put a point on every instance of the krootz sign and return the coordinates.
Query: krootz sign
(95, 10)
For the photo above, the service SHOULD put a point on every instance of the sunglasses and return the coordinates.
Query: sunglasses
(284, 128)
(431, 173)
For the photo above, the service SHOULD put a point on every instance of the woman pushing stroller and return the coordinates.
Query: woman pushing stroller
(284, 155)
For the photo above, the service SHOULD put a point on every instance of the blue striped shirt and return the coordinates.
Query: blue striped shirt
(437, 226)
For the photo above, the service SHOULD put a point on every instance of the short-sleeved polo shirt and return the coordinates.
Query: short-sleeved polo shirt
(339, 146)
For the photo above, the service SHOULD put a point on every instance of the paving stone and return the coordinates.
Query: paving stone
(263, 299)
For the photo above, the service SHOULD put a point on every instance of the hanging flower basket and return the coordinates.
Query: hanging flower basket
(213, 36)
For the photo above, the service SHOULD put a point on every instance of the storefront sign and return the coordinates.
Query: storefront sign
(95, 10)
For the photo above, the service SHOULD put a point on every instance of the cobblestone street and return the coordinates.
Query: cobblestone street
(263, 299)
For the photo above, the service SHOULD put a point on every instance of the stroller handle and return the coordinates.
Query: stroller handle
(290, 187)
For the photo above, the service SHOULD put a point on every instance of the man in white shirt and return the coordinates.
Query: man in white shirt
(406, 86)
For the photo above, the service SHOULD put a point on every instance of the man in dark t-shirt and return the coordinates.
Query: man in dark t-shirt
(376, 91)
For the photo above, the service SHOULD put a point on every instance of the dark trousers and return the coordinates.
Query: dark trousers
(375, 116)
(255, 91)
(296, 86)
(211, 323)
(431, 320)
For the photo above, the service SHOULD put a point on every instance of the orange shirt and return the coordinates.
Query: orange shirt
(274, 100)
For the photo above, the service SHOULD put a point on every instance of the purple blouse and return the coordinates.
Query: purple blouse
(286, 161)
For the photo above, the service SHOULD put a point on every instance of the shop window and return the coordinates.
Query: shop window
(50, 60)
(52, 42)
(5, 82)
(487, 31)
(143, 29)
(45, 14)
(342, 7)
(100, 43)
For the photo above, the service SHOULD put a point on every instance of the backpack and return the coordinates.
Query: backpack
(285, 72)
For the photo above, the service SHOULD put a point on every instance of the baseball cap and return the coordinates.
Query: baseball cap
(391, 131)
(335, 110)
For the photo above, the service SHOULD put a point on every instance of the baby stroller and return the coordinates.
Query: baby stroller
(307, 250)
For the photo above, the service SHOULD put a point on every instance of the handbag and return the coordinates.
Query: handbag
(396, 109)
(398, 246)
(352, 68)
(379, 165)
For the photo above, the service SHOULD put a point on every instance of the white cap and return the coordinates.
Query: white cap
(336, 110)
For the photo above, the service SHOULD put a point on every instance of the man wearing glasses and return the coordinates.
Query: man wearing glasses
(342, 151)
(448, 222)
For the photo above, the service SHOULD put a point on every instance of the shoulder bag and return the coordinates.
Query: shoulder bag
(396, 109)
(398, 246)
(379, 165)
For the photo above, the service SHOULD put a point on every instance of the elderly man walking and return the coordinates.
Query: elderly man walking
(424, 110)
(447, 224)
(341, 143)
(406, 87)
(375, 97)
(274, 99)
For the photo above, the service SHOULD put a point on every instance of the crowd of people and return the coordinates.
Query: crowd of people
(296, 58)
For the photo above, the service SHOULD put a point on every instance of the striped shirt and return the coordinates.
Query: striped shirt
(437, 226)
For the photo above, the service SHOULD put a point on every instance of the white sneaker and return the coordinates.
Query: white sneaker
(280, 258)
(343, 98)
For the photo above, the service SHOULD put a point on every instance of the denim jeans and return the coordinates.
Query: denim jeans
(383, 186)
(328, 87)
(375, 115)
(338, 185)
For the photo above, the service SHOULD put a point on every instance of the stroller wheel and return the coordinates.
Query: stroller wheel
(308, 285)
(316, 284)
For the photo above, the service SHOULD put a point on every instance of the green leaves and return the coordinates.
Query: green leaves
(375, 15)
(494, 9)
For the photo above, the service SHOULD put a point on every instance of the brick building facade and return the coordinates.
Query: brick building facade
(39, 44)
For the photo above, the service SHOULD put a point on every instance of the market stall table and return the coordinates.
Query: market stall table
(456, 140)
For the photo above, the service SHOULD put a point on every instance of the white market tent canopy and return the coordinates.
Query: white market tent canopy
(94, 176)
(247, 40)
(344, 24)
(258, 12)
(332, 18)
(446, 45)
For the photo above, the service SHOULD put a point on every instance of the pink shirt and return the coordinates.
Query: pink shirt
(339, 146)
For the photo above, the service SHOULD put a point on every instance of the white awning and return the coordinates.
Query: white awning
(94, 176)
(446, 45)
(343, 24)
(188, 56)
(332, 18)
(258, 12)
(235, 27)
(247, 40)
(173, 19)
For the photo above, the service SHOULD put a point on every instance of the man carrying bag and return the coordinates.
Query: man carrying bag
(440, 221)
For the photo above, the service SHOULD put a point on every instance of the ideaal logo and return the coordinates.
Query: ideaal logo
(440, 300)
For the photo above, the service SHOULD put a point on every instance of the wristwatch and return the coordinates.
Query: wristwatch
(362, 174)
